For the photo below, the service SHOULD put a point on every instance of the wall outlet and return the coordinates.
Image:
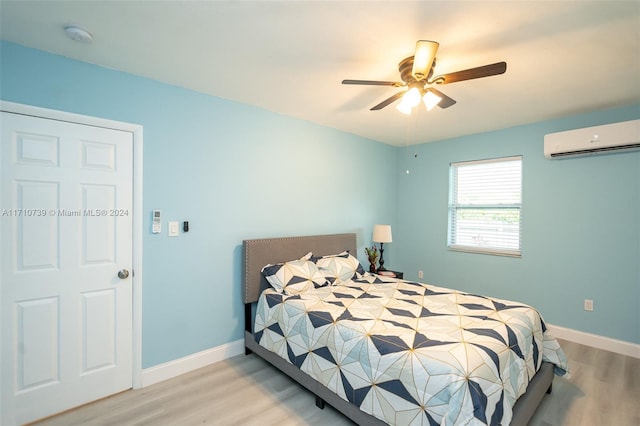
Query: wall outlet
(588, 305)
(420, 274)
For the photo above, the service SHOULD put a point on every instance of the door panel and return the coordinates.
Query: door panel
(66, 227)
(36, 236)
(36, 149)
(37, 343)
(99, 331)
(98, 232)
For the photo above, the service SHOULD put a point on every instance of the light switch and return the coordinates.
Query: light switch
(174, 229)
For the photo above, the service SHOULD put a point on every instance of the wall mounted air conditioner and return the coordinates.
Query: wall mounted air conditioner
(608, 138)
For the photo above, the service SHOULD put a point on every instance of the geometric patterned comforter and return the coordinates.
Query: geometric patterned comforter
(411, 353)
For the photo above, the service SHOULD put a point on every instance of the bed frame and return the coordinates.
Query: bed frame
(259, 252)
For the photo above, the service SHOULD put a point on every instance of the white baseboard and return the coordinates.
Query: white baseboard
(192, 362)
(179, 366)
(596, 341)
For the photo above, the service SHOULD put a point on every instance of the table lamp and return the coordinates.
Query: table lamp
(381, 234)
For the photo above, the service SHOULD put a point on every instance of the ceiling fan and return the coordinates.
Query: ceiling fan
(416, 73)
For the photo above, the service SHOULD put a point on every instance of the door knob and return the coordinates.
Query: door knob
(123, 274)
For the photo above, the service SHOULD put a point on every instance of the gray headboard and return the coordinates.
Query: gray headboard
(258, 253)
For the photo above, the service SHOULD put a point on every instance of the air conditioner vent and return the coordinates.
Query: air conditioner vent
(609, 138)
(632, 147)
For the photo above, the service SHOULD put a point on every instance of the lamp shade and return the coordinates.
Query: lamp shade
(381, 233)
(430, 100)
(404, 108)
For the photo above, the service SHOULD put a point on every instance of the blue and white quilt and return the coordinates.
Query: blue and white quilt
(411, 353)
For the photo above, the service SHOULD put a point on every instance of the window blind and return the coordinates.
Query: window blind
(485, 206)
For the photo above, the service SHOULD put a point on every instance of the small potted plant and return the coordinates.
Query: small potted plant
(372, 256)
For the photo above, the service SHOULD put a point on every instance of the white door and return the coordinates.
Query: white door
(66, 232)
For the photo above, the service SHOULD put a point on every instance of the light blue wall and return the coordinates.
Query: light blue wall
(229, 168)
(581, 227)
(232, 170)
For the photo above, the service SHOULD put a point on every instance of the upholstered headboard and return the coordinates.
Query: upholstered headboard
(260, 252)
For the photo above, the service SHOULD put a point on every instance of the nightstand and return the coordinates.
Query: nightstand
(387, 273)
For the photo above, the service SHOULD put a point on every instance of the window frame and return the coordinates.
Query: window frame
(454, 206)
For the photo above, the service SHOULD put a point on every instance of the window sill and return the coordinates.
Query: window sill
(480, 250)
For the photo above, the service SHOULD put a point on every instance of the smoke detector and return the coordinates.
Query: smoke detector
(77, 33)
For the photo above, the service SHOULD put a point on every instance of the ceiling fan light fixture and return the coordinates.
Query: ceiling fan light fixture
(410, 100)
(430, 100)
(404, 108)
(412, 97)
(423, 58)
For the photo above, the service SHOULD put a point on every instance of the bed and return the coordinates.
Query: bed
(380, 350)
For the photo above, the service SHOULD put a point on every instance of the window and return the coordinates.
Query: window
(485, 204)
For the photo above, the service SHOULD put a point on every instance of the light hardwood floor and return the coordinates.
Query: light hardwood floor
(604, 389)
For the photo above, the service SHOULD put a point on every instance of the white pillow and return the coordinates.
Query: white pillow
(294, 276)
(340, 267)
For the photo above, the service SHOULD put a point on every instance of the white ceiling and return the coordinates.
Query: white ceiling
(289, 57)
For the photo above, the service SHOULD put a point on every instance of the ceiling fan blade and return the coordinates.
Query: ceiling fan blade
(388, 101)
(446, 101)
(373, 83)
(471, 73)
(423, 58)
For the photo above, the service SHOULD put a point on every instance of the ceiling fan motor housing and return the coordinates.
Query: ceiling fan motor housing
(406, 66)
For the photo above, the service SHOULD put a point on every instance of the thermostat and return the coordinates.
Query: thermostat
(156, 226)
